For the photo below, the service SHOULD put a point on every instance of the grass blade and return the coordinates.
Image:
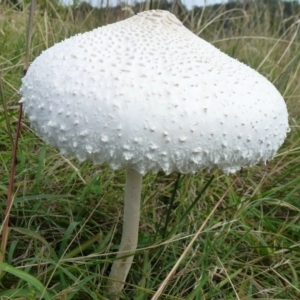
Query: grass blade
(26, 277)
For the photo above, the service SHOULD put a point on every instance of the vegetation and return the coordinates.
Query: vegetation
(66, 218)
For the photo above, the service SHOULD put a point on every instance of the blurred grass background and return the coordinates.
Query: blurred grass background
(66, 219)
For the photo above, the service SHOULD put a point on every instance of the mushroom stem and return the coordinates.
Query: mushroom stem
(131, 219)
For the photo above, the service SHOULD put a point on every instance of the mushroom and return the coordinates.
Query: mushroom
(146, 94)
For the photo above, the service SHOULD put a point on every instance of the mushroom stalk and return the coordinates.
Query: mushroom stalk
(131, 219)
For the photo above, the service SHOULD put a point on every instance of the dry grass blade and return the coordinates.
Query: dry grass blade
(5, 228)
(187, 249)
(28, 37)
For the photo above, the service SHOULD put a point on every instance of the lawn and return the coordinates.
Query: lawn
(66, 219)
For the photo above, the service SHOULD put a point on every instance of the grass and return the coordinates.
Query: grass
(66, 219)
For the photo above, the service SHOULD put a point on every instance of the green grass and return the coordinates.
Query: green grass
(66, 218)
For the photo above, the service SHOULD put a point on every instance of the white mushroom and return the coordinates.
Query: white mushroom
(146, 94)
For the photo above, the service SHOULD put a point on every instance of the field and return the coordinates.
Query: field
(66, 219)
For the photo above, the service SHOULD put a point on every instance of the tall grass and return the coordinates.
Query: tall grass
(66, 219)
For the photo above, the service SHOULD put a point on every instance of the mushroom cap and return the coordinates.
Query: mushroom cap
(146, 93)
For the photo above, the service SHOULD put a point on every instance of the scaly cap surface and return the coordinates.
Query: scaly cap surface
(148, 94)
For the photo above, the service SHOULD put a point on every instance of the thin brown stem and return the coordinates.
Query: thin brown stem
(5, 229)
